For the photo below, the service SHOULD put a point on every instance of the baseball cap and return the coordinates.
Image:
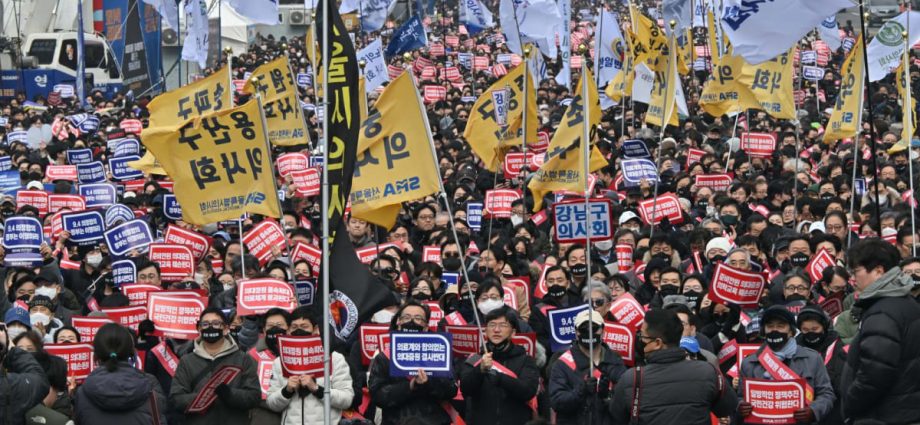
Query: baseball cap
(35, 185)
(583, 317)
(626, 216)
(690, 344)
(17, 314)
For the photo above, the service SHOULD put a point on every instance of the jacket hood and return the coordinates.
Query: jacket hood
(124, 389)
(892, 284)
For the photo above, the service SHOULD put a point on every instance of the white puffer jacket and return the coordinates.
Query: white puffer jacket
(292, 409)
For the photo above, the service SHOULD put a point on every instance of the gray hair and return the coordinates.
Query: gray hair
(594, 285)
(747, 255)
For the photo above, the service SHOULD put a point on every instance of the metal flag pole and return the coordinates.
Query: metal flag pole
(734, 132)
(526, 65)
(327, 343)
(586, 167)
(664, 125)
(863, 17)
(855, 167)
(909, 126)
(798, 144)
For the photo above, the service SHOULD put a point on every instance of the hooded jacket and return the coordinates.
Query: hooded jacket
(881, 379)
(22, 385)
(123, 396)
(297, 410)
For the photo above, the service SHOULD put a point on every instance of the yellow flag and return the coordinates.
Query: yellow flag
(564, 166)
(736, 85)
(485, 136)
(663, 103)
(312, 47)
(210, 94)
(685, 52)
(220, 163)
(272, 80)
(148, 164)
(846, 119)
(395, 162)
(280, 101)
(649, 41)
(908, 120)
(712, 37)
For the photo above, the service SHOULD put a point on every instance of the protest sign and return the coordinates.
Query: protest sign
(635, 149)
(562, 326)
(128, 236)
(58, 202)
(306, 181)
(436, 315)
(759, 145)
(716, 182)
(730, 285)
(176, 261)
(624, 253)
(262, 238)
(694, 155)
(628, 311)
(308, 252)
(9, 180)
(79, 156)
(88, 326)
(832, 306)
(205, 398)
(132, 125)
(498, 202)
(98, 194)
(86, 228)
(466, 339)
(175, 316)
(516, 161)
(813, 73)
(414, 351)
(301, 355)
(171, 208)
(256, 296)
(527, 341)
(773, 402)
(137, 293)
(35, 198)
(129, 317)
(369, 337)
(474, 215)
(22, 240)
(120, 169)
(818, 263)
(431, 254)
(305, 290)
(194, 241)
(368, 254)
(79, 358)
(620, 339)
(61, 172)
(664, 206)
(636, 170)
(572, 221)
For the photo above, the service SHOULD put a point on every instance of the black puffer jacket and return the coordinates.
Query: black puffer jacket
(497, 398)
(882, 377)
(22, 385)
(123, 396)
(572, 399)
(664, 398)
(834, 366)
(399, 402)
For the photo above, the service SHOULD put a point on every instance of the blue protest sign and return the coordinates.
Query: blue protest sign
(450, 278)
(93, 172)
(809, 56)
(429, 351)
(86, 227)
(22, 234)
(128, 236)
(635, 170)
(126, 147)
(98, 194)
(10, 181)
(813, 73)
(474, 215)
(571, 222)
(171, 208)
(317, 161)
(562, 326)
(79, 156)
(116, 214)
(635, 149)
(6, 163)
(304, 80)
(120, 169)
(860, 187)
(124, 271)
(305, 290)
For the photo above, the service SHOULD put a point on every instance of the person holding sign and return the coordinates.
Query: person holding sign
(299, 398)
(577, 396)
(212, 350)
(557, 295)
(499, 385)
(657, 392)
(780, 358)
(420, 396)
(815, 332)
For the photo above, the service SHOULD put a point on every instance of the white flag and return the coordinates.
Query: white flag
(195, 46)
(347, 6)
(752, 27)
(168, 10)
(375, 66)
(679, 11)
(258, 11)
(510, 27)
(643, 83)
(564, 77)
(537, 22)
(475, 16)
(537, 68)
(887, 47)
(830, 33)
(374, 14)
(609, 64)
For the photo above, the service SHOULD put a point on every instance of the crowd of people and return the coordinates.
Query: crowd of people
(851, 332)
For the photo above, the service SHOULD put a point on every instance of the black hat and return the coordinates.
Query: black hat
(777, 312)
(813, 312)
(41, 300)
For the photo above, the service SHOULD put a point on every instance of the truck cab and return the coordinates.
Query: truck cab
(50, 59)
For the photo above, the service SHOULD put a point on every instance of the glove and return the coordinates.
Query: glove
(603, 389)
(590, 387)
(223, 392)
(745, 408)
(804, 415)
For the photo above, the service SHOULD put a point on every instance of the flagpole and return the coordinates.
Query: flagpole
(908, 131)
(327, 22)
(586, 160)
(734, 132)
(527, 50)
(453, 227)
(665, 117)
(798, 158)
(863, 16)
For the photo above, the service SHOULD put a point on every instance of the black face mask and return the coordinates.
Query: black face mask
(796, 297)
(300, 332)
(211, 334)
(34, 175)
(666, 290)
(799, 259)
(421, 296)
(579, 269)
(693, 297)
(662, 256)
(235, 332)
(556, 291)
(702, 204)
(587, 340)
(8, 212)
(639, 349)
(483, 270)
(776, 340)
(813, 338)
(411, 327)
(730, 220)
(451, 263)
(684, 192)
(271, 338)
(717, 259)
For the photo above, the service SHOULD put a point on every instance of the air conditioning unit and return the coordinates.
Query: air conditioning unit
(299, 18)
(170, 37)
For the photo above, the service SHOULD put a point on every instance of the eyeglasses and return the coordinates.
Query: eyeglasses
(833, 227)
(597, 302)
(502, 325)
(426, 217)
(213, 323)
(797, 288)
(641, 336)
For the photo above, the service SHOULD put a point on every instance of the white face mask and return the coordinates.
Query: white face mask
(46, 291)
(15, 331)
(382, 316)
(229, 287)
(604, 245)
(94, 260)
(199, 278)
(489, 305)
(516, 219)
(40, 318)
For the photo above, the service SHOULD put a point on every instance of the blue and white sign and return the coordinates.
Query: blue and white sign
(124, 271)
(571, 223)
(562, 326)
(848, 44)
(120, 169)
(500, 106)
(305, 290)
(93, 172)
(859, 188)
(171, 208)
(86, 227)
(428, 351)
(317, 160)
(98, 194)
(809, 56)
(10, 181)
(20, 136)
(6, 163)
(635, 149)
(450, 278)
(126, 147)
(474, 215)
(128, 236)
(79, 156)
(304, 80)
(22, 234)
(813, 73)
(635, 170)
(117, 214)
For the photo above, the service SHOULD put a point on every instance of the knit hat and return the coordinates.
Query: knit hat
(721, 243)
(41, 300)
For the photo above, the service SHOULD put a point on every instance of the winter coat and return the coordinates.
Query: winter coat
(23, 384)
(881, 379)
(123, 396)
(806, 363)
(297, 410)
(196, 367)
(539, 319)
(663, 395)
(399, 401)
(834, 365)
(569, 396)
(496, 398)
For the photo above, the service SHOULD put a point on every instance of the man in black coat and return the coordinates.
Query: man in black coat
(22, 383)
(817, 332)
(672, 389)
(499, 386)
(881, 380)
